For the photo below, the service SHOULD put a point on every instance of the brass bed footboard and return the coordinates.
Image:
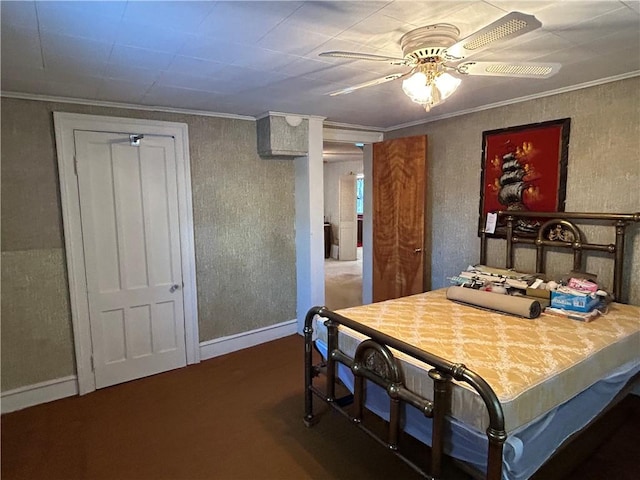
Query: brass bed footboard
(374, 361)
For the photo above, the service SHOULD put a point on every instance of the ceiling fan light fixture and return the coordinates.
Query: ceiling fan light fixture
(447, 84)
(432, 50)
(428, 89)
(420, 89)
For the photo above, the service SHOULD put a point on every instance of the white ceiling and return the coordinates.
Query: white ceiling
(247, 58)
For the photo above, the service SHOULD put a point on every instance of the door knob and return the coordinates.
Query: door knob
(174, 287)
(417, 250)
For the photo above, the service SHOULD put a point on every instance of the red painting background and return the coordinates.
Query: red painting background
(538, 150)
(542, 150)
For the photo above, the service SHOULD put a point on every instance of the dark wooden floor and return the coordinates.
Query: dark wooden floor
(233, 417)
(609, 450)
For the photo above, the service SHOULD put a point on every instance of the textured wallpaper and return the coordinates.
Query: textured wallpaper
(244, 213)
(243, 210)
(603, 175)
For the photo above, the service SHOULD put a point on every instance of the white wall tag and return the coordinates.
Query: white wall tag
(492, 219)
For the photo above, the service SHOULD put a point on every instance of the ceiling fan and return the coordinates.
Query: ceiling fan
(431, 51)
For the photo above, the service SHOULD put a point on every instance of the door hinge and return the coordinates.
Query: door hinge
(93, 368)
(75, 165)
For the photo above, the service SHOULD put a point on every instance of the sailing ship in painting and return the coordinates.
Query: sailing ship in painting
(512, 186)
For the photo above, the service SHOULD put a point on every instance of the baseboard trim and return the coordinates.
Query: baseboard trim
(44, 392)
(232, 343)
(38, 393)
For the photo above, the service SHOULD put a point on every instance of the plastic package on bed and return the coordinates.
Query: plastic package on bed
(527, 447)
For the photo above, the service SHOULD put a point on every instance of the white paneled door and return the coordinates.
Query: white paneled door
(131, 240)
(348, 218)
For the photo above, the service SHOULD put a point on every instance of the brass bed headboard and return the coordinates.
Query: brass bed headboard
(559, 231)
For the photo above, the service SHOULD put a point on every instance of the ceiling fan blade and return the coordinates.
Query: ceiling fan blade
(510, 69)
(365, 56)
(377, 81)
(508, 27)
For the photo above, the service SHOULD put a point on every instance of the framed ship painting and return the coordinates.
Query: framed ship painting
(524, 168)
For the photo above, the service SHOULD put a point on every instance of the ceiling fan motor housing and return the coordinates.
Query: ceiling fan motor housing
(428, 43)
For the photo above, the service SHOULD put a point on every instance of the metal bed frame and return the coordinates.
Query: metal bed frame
(374, 360)
(573, 241)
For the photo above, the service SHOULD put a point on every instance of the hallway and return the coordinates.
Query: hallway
(343, 282)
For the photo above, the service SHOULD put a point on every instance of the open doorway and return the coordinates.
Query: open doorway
(343, 165)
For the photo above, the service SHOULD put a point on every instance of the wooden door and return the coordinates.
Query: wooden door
(131, 239)
(399, 179)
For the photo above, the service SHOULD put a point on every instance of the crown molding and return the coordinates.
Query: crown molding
(96, 103)
(350, 136)
(283, 114)
(337, 125)
(351, 126)
(580, 86)
(128, 106)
